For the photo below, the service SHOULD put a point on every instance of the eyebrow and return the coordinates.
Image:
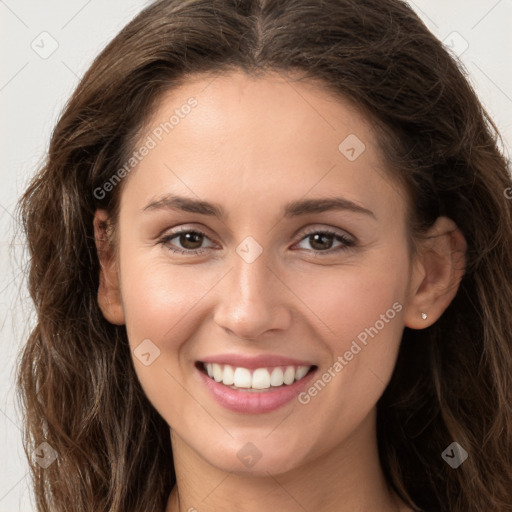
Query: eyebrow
(293, 209)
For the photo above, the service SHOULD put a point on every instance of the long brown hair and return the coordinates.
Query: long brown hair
(452, 381)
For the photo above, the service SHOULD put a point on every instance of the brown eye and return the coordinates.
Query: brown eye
(185, 242)
(191, 240)
(323, 242)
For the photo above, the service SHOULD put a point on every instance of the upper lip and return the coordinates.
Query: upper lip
(252, 362)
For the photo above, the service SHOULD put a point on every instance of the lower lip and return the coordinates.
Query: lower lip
(254, 402)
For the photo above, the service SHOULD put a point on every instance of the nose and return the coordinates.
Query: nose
(253, 299)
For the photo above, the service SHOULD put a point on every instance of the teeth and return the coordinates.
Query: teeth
(276, 379)
(260, 378)
(228, 376)
(217, 372)
(289, 375)
(301, 372)
(242, 378)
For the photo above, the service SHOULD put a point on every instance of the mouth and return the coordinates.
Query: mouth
(255, 380)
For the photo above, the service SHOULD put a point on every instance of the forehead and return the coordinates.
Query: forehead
(260, 139)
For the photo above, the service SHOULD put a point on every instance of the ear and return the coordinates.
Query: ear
(109, 293)
(437, 271)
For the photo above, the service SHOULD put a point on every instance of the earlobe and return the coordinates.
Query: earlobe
(439, 268)
(109, 294)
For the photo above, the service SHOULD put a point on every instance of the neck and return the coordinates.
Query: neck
(347, 478)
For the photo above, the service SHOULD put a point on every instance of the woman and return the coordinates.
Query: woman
(270, 257)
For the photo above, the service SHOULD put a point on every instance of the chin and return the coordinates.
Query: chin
(255, 458)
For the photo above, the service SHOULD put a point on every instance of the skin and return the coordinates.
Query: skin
(252, 145)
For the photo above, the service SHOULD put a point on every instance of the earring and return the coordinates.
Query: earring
(424, 316)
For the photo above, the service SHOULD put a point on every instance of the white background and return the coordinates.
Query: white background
(34, 90)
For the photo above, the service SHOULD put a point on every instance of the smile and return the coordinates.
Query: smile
(256, 390)
(258, 379)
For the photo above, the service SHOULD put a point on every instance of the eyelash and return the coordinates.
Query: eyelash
(347, 242)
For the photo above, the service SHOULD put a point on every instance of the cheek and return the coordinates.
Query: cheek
(359, 312)
(158, 298)
(162, 312)
(346, 300)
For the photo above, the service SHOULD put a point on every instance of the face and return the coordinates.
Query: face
(299, 260)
